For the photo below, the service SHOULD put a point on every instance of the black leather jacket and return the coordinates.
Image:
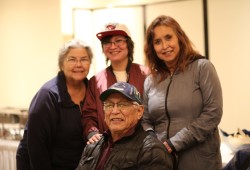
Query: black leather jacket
(139, 151)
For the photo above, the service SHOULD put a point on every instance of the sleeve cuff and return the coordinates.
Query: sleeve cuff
(171, 145)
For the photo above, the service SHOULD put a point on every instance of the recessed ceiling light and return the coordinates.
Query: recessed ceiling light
(110, 6)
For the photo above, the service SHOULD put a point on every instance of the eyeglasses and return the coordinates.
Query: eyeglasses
(124, 105)
(74, 61)
(116, 43)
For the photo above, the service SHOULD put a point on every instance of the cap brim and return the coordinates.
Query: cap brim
(103, 34)
(108, 92)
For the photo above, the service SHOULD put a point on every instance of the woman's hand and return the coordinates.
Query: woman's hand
(94, 138)
(168, 147)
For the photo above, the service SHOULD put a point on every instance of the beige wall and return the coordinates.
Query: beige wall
(30, 35)
(229, 36)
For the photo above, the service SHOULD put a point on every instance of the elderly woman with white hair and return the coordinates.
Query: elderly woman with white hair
(53, 134)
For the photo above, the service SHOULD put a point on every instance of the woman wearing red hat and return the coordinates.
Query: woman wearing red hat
(118, 48)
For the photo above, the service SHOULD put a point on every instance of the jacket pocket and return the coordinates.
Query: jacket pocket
(124, 166)
(86, 163)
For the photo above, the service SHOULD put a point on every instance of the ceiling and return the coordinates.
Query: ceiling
(96, 4)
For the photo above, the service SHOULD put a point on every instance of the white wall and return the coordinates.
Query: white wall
(229, 36)
(30, 37)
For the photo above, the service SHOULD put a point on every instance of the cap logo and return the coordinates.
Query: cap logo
(110, 27)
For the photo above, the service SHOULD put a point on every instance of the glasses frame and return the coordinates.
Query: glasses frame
(73, 61)
(119, 105)
(118, 43)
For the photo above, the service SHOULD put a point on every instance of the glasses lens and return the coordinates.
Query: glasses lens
(116, 43)
(71, 60)
(109, 106)
(107, 44)
(124, 105)
(119, 42)
(83, 61)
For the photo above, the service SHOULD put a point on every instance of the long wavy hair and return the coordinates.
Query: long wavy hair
(186, 54)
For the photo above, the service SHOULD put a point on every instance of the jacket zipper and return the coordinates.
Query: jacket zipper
(174, 156)
(166, 106)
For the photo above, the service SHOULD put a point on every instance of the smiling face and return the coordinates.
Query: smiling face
(116, 52)
(76, 64)
(120, 121)
(166, 45)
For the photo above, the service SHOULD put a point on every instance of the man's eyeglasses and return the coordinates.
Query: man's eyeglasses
(74, 61)
(124, 105)
(116, 43)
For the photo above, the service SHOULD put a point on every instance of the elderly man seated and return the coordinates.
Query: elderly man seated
(125, 145)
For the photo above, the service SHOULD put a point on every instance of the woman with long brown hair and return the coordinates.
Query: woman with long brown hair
(182, 97)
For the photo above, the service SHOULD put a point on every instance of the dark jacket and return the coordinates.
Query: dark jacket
(140, 151)
(53, 134)
(93, 114)
(240, 161)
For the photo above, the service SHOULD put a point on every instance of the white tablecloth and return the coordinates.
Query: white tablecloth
(226, 153)
(8, 154)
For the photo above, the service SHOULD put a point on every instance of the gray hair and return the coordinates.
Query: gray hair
(74, 43)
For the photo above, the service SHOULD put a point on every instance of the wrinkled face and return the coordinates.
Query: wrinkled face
(166, 44)
(123, 116)
(76, 64)
(116, 49)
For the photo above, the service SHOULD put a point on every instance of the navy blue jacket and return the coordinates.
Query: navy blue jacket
(53, 134)
(240, 161)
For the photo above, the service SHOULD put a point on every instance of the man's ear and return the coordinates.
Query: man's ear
(140, 110)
